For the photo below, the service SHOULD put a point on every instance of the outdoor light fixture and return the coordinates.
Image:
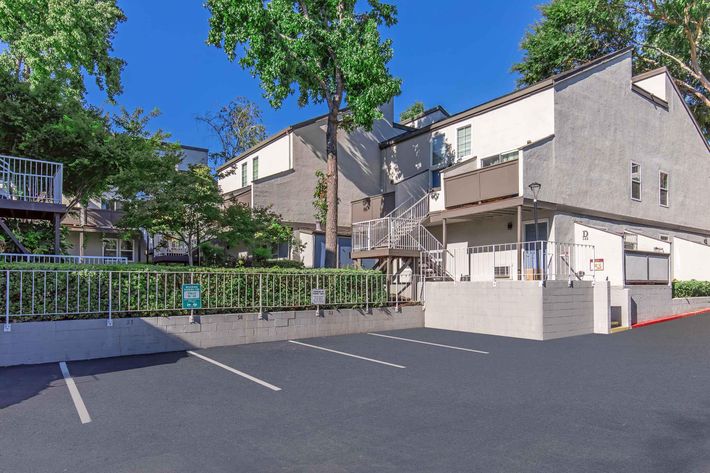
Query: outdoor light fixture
(535, 188)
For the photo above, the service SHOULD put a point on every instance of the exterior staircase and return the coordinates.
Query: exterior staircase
(403, 230)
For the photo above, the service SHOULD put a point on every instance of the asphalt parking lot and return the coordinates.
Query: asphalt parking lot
(634, 401)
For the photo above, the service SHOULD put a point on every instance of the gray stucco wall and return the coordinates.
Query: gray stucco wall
(44, 342)
(521, 309)
(601, 125)
(359, 165)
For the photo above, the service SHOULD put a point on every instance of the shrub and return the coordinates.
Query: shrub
(283, 263)
(82, 291)
(691, 288)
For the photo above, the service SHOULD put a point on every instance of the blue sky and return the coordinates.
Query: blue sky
(454, 53)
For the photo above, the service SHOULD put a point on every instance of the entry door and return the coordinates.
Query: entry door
(535, 255)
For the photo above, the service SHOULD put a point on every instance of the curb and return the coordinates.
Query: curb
(670, 317)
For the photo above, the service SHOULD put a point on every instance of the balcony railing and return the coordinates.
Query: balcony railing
(57, 259)
(30, 180)
(172, 249)
(481, 185)
(536, 260)
(99, 218)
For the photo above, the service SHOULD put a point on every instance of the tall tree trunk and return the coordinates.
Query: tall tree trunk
(331, 218)
(189, 252)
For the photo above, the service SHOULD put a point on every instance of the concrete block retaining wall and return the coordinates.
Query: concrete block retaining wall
(64, 340)
(522, 309)
(653, 302)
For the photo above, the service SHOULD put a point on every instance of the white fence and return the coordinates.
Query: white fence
(48, 294)
(56, 259)
(30, 180)
(538, 260)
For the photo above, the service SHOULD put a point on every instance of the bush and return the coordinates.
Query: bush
(83, 291)
(691, 288)
(282, 263)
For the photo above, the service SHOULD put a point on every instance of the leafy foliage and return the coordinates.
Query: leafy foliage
(327, 50)
(320, 201)
(98, 152)
(258, 230)
(37, 236)
(671, 33)
(691, 288)
(238, 127)
(61, 40)
(417, 108)
(185, 206)
(141, 290)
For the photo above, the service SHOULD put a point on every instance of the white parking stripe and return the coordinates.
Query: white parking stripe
(348, 354)
(430, 343)
(237, 372)
(75, 396)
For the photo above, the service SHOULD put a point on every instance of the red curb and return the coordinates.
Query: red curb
(670, 317)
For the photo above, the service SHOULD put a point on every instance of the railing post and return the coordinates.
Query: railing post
(367, 293)
(261, 304)
(7, 327)
(109, 322)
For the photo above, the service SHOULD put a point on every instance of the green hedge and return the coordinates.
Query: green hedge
(691, 288)
(81, 291)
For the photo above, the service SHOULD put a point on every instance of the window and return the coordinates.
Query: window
(280, 251)
(664, 237)
(127, 249)
(109, 204)
(438, 151)
(501, 272)
(499, 158)
(110, 247)
(113, 247)
(463, 141)
(635, 181)
(439, 160)
(663, 188)
(631, 241)
(255, 168)
(244, 174)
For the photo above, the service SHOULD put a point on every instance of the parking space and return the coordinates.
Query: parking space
(410, 400)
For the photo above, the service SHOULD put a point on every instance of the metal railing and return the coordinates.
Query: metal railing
(171, 250)
(537, 260)
(51, 294)
(56, 259)
(30, 180)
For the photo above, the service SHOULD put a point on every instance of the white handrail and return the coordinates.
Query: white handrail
(30, 180)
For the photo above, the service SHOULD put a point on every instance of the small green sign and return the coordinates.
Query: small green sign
(191, 296)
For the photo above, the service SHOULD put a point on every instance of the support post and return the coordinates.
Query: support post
(519, 239)
(109, 322)
(7, 327)
(443, 244)
(57, 233)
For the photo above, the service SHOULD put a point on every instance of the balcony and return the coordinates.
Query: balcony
(372, 207)
(464, 187)
(30, 188)
(99, 219)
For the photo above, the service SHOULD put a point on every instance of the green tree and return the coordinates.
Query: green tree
(61, 40)
(99, 152)
(326, 48)
(257, 230)
(671, 33)
(417, 108)
(185, 206)
(237, 126)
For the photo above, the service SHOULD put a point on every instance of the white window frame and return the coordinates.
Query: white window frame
(667, 189)
(121, 250)
(631, 182)
(103, 247)
(470, 142)
(244, 175)
(255, 167)
(539, 221)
